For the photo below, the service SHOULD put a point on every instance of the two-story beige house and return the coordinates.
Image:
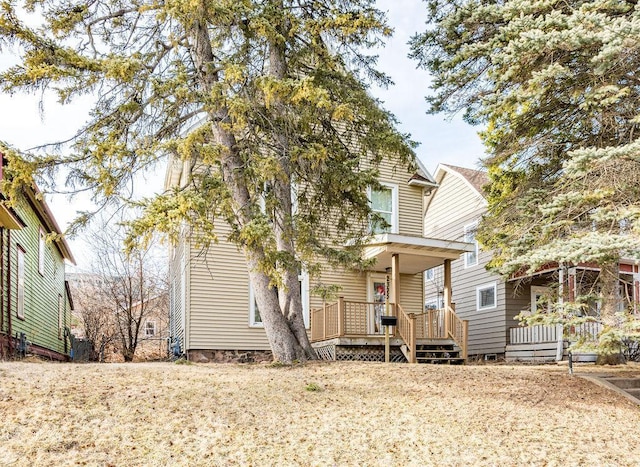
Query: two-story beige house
(213, 310)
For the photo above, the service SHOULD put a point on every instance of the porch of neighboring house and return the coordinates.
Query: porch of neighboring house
(355, 330)
(542, 343)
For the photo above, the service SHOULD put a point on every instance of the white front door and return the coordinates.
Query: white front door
(376, 293)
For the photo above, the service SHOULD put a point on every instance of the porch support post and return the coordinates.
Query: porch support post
(340, 316)
(636, 292)
(559, 327)
(412, 338)
(395, 278)
(324, 321)
(447, 284)
(571, 284)
(465, 339)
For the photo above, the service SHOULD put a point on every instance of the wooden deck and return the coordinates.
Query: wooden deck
(356, 325)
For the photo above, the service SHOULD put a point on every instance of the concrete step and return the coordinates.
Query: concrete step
(635, 392)
(625, 383)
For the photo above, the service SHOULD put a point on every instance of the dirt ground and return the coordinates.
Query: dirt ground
(319, 414)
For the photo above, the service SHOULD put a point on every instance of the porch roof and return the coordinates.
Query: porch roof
(417, 254)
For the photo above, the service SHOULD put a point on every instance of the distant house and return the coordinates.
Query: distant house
(153, 342)
(213, 311)
(488, 302)
(95, 312)
(35, 305)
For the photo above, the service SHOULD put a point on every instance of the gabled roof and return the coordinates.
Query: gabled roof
(422, 177)
(42, 210)
(10, 220)
(476, 179)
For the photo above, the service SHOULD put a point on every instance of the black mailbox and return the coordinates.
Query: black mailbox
(389, 320)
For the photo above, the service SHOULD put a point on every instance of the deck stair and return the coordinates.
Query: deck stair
(437, 353)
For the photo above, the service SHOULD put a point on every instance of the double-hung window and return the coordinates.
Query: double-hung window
(384, 205)
(150, 329)
(255, 320)
(20, 283)
(41, 250)
(60, 317)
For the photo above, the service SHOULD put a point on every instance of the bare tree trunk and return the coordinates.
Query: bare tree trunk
(291, 299)
(284, 343)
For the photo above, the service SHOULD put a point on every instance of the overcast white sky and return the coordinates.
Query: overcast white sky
(23, 125)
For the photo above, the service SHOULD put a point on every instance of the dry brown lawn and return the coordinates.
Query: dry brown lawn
(360, 414)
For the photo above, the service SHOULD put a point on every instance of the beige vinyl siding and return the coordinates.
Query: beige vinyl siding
(412, 293)
(353, 285)
(217, 311)
(409, 199)
(219, 299)
(410, 222)
(453, 205)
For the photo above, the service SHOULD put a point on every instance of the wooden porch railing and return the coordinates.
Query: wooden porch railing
(432, 324)
(348, 318)
(360, 319)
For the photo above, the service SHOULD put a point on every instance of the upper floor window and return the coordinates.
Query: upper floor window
(471, 258)
(41, 249)
(429, 274)
(384, 203)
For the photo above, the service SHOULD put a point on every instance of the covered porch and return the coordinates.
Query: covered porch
(419, 334)
(551, 343)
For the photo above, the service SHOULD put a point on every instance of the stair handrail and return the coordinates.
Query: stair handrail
(458, 330)
(407, 330)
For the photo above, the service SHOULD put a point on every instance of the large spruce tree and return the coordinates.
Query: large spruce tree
(263, 97)
(557, 87)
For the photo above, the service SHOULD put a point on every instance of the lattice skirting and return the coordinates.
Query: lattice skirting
(358, 353)
(327, 352)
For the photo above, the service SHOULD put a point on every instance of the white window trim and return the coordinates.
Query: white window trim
(155, 328)
(252, 309)
(41, 251)
(490, 285)
(467, 228)
(304, 296)
(394, 229)
(60, 317)
(537, 290)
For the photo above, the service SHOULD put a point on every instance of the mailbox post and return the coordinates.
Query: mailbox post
(387, 321)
